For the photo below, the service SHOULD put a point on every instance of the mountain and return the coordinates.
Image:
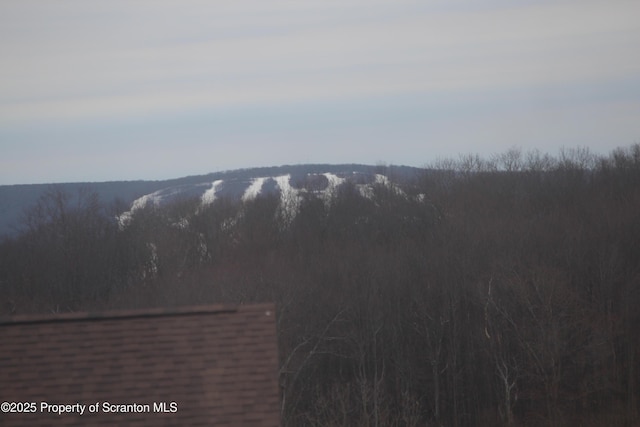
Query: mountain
(127, 196)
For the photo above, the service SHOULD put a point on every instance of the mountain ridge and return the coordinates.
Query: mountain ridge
(123, 195)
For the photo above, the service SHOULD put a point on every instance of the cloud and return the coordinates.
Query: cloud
(267, 82)
(154, 57)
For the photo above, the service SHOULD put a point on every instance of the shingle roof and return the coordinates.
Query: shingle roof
(217, 363)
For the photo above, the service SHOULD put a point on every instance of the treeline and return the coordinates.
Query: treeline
(500, 291)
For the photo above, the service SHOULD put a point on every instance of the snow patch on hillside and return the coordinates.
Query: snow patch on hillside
(367, 190)
(142, 202)
(334, 182)
(209, 196)
(248, 189)
(124, 219)
(284, 184)
(254, 189)
(382, 179)
(290, 199)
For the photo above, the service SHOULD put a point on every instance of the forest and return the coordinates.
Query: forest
(500, 291)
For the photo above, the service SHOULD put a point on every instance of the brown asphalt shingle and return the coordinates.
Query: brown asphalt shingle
(217, 363)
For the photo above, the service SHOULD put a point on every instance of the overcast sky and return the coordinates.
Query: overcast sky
(157, 89)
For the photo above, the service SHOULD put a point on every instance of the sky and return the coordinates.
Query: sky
(160, 89)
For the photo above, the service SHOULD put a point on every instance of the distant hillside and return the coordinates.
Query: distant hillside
(235, 184)
(485, 292)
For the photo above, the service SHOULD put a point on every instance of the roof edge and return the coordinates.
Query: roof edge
(137, 313)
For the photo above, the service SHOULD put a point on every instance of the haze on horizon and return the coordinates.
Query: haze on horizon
(162, 89)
